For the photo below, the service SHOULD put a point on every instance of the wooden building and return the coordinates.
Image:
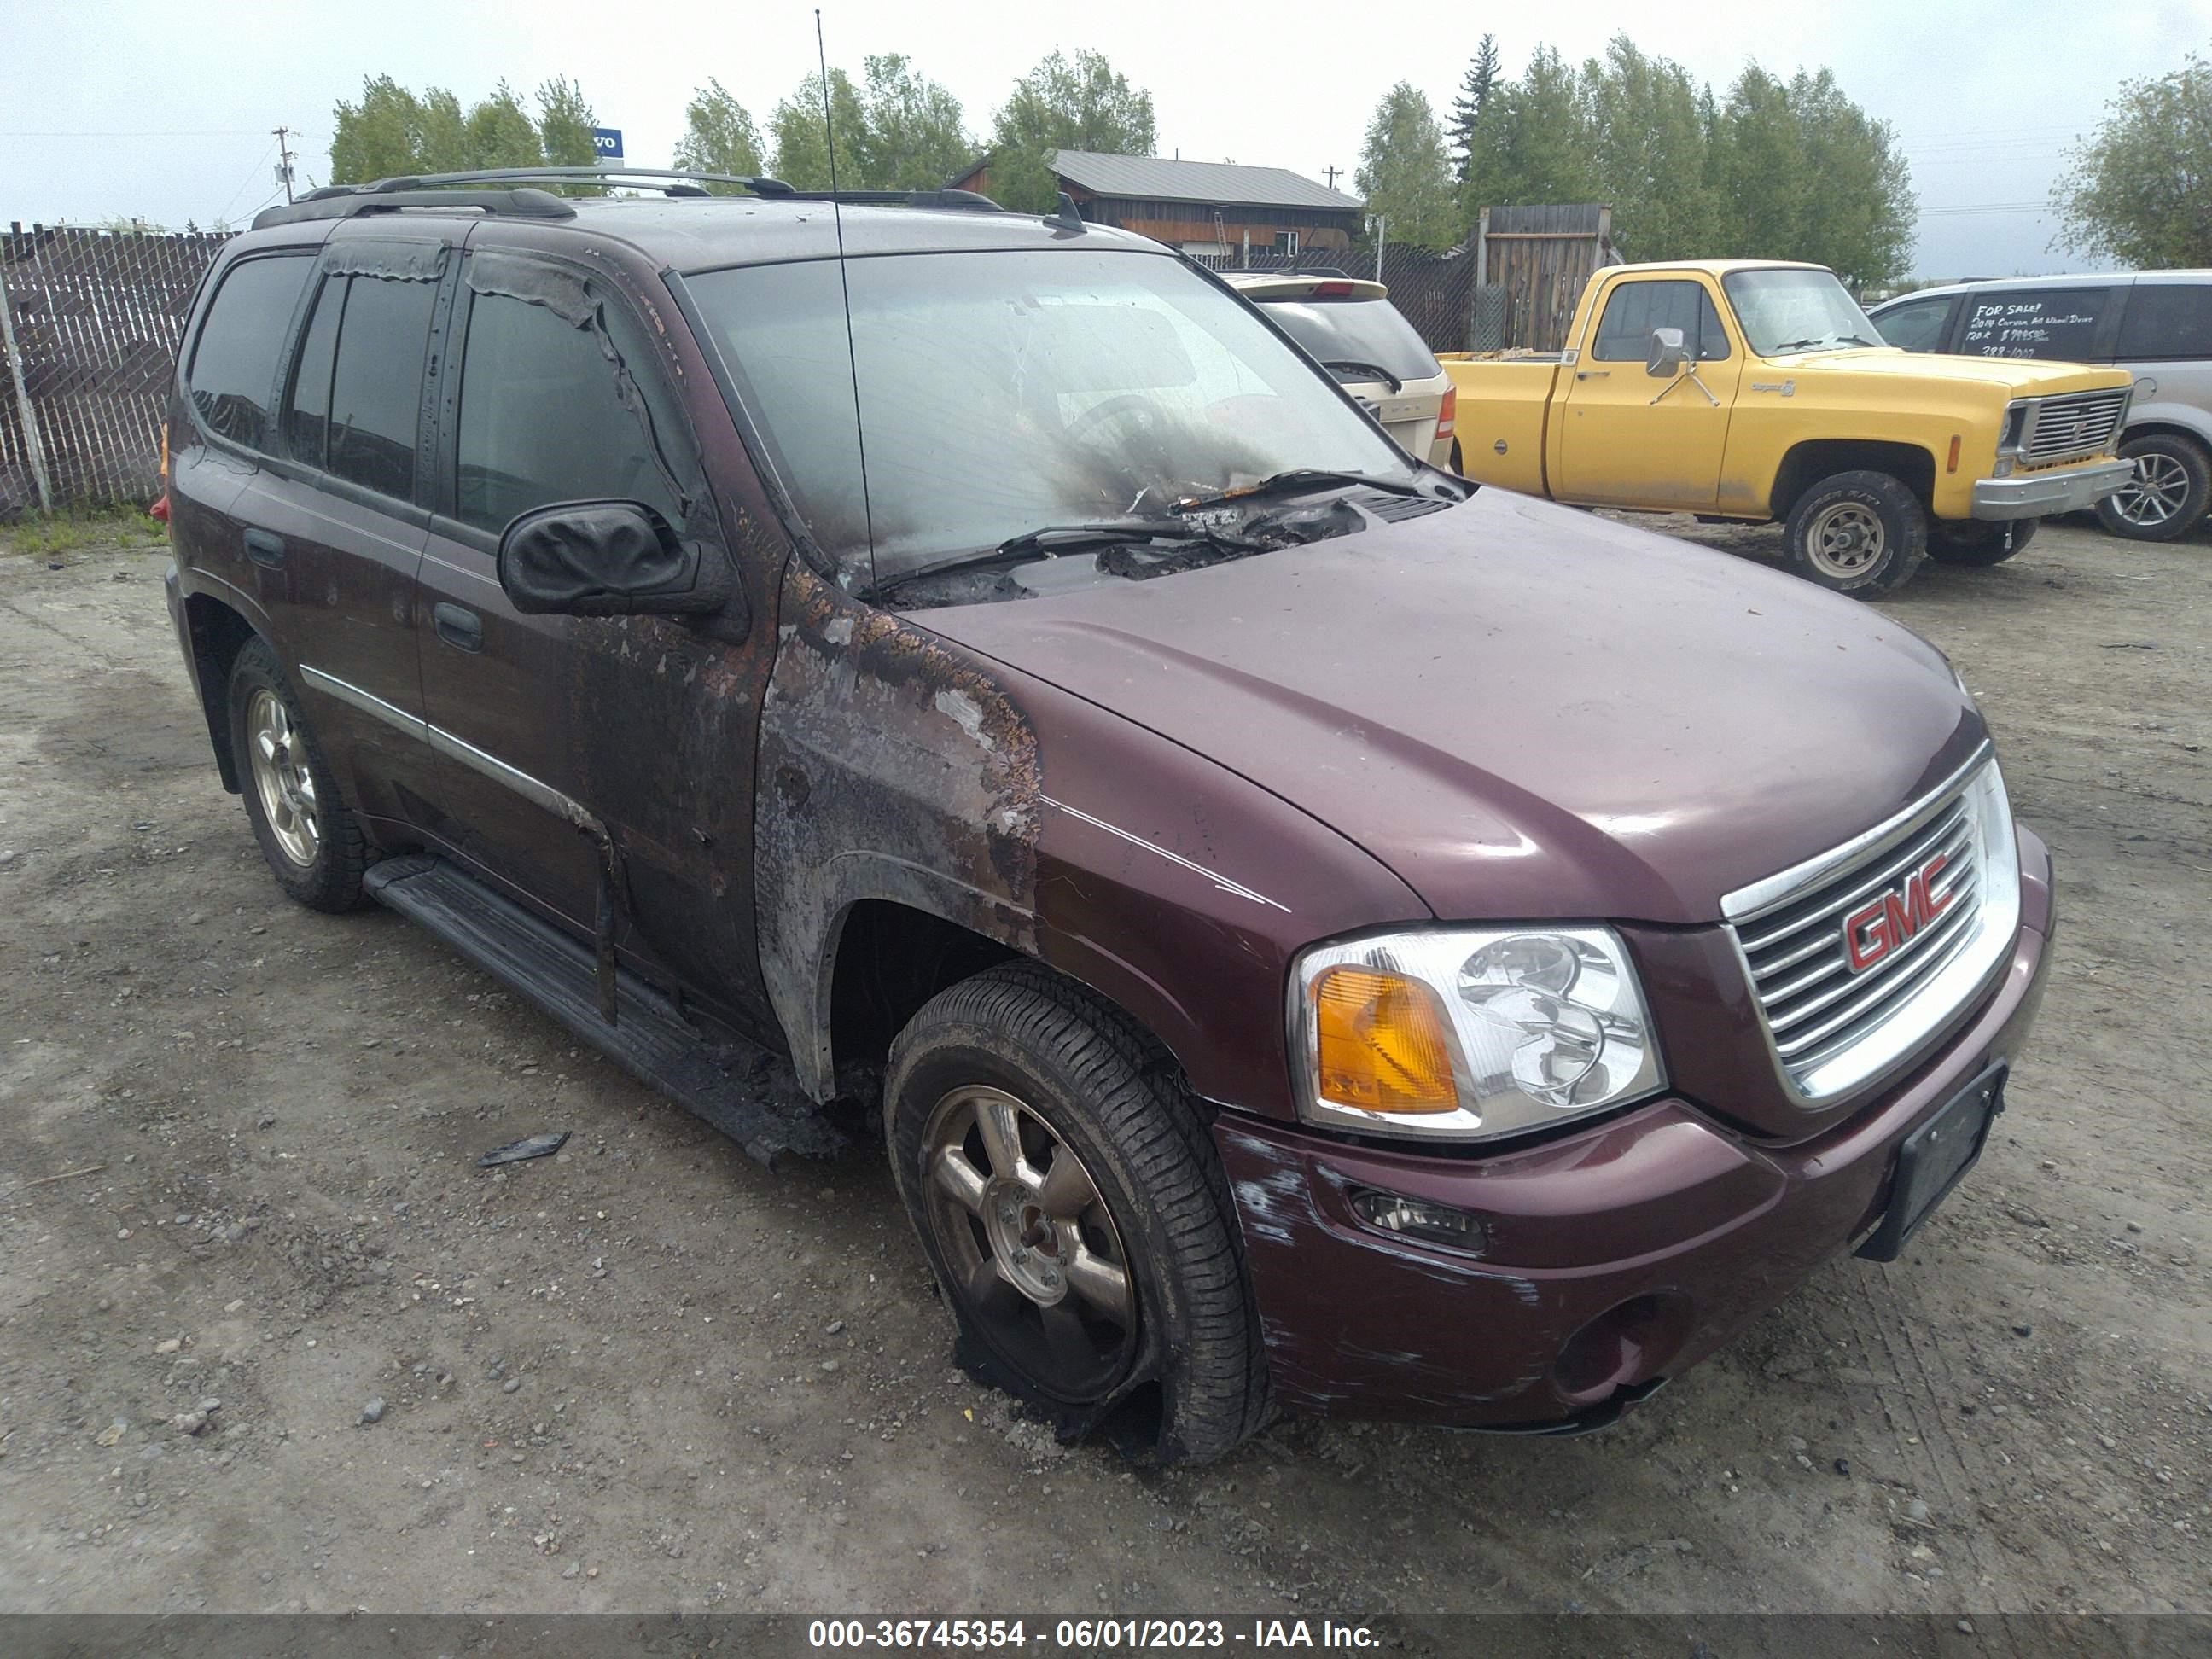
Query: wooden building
(1201, 207)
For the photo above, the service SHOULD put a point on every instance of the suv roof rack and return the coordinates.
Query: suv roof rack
(438, 190)
(966, 201)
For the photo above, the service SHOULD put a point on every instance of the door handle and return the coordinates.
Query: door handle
(266, 548)
(1593, 374)
(459, 627)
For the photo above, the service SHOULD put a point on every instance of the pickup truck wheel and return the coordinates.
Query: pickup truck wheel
(1977, 541)
(2166, 496)
(1857, 532)
(1073, 1210)
(312, 846)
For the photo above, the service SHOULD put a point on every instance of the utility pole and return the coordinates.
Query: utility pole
(1331, 173)
(284, 161)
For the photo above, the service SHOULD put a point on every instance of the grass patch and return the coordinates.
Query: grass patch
(44, 537)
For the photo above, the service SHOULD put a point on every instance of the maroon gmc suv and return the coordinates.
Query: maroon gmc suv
(1321, 936)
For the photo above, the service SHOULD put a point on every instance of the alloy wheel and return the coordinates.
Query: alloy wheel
(281, 778)
(2155, 494)
(1039, 1262)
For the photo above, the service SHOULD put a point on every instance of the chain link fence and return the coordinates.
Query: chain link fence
(91, 323)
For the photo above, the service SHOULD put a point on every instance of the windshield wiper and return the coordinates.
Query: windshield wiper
(1047, 540)
(1303, 477)
(1365, 370)
(1815, 345)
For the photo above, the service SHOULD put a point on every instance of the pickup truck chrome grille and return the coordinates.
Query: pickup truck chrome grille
(2077, 424)
(1857, 957)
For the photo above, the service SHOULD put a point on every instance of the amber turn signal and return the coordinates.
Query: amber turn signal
(1381, 1042)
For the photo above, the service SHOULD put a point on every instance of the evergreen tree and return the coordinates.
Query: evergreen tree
(1474, 89)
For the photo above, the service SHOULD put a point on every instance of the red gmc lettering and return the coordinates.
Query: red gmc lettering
(1872, 932)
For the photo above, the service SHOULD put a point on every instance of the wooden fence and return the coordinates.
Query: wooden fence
(1542, 257)
(89, 321)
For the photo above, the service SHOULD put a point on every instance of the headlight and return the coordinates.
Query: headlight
(1469, 1033)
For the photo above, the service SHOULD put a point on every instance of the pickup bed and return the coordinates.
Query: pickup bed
(1759, 391)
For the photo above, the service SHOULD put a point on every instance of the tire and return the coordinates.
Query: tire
(1023, 1252)
(2173, 480)
(1978, 542)
(1857, 532)
(310, 841)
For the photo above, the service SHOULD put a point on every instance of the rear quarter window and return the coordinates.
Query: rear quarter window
(376, 383)
(2166, 320)
(232, 377)
(2048, 322)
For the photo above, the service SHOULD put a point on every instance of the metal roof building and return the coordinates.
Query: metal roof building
(1203, 207)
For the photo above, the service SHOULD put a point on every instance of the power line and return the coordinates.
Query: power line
(181, 132)
(223, 217)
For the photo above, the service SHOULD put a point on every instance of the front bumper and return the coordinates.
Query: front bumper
(2036, 495)
(1661, 1232)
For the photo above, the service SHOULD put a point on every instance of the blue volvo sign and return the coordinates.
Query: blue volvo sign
(607, 141)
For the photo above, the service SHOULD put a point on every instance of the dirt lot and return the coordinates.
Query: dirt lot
(649, 1374)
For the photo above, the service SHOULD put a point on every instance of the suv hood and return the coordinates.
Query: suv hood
(2022, 377)
(1523, 711)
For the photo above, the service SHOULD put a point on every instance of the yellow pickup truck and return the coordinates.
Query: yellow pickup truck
(1757, 390)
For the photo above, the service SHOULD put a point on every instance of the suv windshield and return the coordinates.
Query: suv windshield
(1356, 332)
(1003, 391)
(1786, 311)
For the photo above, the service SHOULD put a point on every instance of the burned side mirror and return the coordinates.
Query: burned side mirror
(1669, 353)
(609, 559)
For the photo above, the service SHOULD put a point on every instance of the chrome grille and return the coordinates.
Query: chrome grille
(2079, 423)
(1816, 1007)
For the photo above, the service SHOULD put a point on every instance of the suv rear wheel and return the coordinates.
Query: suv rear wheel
(1977, 541)
(1075, 1214)
(312, 845)
(1857, 532)
(2166, 496)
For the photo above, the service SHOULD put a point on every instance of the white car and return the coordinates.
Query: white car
(1353, 330)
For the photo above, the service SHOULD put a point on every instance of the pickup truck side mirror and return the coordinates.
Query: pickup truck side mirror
(1669, 354)
(609, 559)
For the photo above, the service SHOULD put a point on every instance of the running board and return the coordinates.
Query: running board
(730, 1082)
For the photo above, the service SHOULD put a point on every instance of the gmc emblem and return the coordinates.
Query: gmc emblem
(1885, 923)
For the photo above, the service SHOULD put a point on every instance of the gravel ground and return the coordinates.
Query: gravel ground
(269, 1341)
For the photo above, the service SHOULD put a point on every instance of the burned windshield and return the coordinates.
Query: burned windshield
(1001, 392)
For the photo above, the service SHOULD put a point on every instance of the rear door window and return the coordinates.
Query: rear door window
(2060, 322)
(308, 408)
(1918, 324)
(233, 376)
(1624, 334)
(542, 419)
(2166, 321)
(376, 383)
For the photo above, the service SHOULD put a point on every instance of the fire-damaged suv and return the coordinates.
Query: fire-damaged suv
(1321, 935)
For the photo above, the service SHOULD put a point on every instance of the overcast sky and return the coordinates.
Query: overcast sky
(126, 107)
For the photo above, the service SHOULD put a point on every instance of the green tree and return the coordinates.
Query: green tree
(1405, 173)
(1803, 172)
(794, 128)
(441, 143)
(1078, 102)
(1648, 150)
(1534, 142)
(501, 133)
(565, 121)
(1474, 89)
(912, 138)
(719, 137)
(378, 137)
(2140, 190)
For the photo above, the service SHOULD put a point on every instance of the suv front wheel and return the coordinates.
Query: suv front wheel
(1857, 532)
(1075, 1215)
(312, 846)
(2166, 496)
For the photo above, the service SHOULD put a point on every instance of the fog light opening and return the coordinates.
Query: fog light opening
(1629, 1343)
(1418, 1218)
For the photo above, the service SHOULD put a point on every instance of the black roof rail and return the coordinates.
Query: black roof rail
(438, 190)
(343, 203)
(965, 200)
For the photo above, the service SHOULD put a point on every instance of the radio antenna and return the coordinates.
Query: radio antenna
(845, 287)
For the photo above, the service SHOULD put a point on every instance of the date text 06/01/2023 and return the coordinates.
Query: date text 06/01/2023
(1088, 1634)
